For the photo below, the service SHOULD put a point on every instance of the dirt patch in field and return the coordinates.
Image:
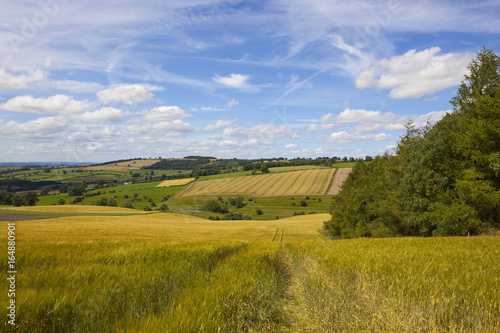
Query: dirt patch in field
(338, 180)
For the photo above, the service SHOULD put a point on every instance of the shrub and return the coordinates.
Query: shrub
(303, 203)
(128, 204)
(61, 201)
(214, 207)
(259, 212)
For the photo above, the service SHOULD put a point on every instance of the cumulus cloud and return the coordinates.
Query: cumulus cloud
(37, 128)
(349, 137)
(267, 131)
(20, 81)
(233, 80)
(55, 104)
(373, 121)
(103, 115)
(415, 74)
(163, 128)
(362, 116)
(319, 127)
(127, 94)
(165, 113)
(219, 124)
(291, 146)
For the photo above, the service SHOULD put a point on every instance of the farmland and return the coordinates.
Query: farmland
(123, 166)
(176, 182)
(314, 182)
(166, 272)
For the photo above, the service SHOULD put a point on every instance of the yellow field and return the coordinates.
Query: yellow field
(123, 166)
(311, 182)
(170, 227)
(168, 272)
(176, 182)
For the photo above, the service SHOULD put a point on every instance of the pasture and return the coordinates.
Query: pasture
(312, 181)
(176, 273)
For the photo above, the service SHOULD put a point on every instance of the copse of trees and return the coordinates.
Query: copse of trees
(443, 180)
(18, 199)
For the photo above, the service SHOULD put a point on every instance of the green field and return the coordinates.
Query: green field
(176, 273)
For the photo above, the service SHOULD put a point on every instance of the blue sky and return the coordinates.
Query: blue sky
(92, 81)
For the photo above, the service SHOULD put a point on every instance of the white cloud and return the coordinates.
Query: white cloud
(291, 146)
(160, 129)
(232, 103)
(219, 124)
(362, 116)
(415, 74)
(37, 128)
(228, 143)
(267, 131)
(349, 137)
(103, 115)
(431, 117)
(165, 113)
(319, 127)
(127, 94)
(20, 81)
(234, 80)
(55, 104)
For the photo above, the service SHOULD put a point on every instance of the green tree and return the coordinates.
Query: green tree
(264, 168)
(30, 198)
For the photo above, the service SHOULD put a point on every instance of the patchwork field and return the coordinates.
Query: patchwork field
(174, 273)
(311, 182)
(175, 182)
(124, 166)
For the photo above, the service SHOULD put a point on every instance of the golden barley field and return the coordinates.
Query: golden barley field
(123, 166)
(175, 182)
(165, 272)
(310, 182)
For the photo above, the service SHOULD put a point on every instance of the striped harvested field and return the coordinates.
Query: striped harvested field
(175, 182)
(311, 182)
(123, 166)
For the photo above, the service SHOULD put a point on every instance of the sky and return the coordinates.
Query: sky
(94, 81)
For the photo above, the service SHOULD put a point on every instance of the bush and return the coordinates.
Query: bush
(102, 202)
(61, 202)
(163, 208)
(77, 200)
(303, 203)
(214, 207)
(259, 212)
(128, 204)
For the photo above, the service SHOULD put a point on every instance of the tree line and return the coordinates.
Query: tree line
(443, 180)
